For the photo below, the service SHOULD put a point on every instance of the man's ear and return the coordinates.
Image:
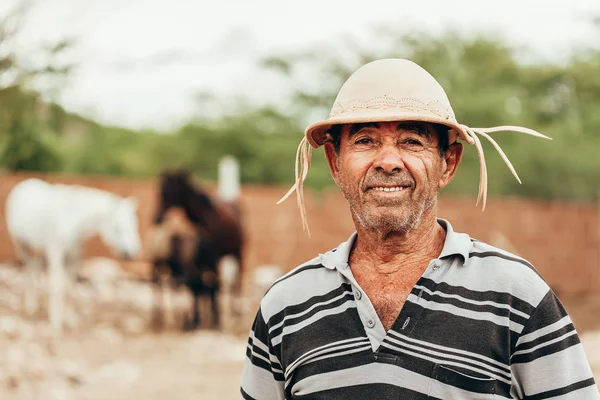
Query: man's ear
(332, 160)
(452, 159)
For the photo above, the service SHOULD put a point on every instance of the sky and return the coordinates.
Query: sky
(139, 63)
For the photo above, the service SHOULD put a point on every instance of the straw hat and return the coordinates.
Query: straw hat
(394, 90)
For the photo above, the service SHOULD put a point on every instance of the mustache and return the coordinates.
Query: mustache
(383, 179)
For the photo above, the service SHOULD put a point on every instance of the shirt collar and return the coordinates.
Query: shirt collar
(455, 244)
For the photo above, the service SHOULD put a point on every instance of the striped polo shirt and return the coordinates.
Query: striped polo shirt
(480, 323)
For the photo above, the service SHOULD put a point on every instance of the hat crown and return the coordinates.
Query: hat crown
(390, 83)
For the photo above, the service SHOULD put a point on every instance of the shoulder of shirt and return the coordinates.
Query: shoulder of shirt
(510, 269)
(295, 285)
(292, 275)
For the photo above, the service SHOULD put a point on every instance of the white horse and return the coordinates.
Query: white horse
(49, 223)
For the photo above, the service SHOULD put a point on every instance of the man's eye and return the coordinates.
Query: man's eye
(364, 141)
(412, 142)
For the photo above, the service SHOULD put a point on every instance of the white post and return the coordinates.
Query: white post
(229, 179)
(229, 191)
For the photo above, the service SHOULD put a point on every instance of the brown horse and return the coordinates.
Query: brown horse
(220, 222)
(177, 250)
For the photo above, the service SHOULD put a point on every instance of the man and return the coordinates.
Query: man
(408, 308)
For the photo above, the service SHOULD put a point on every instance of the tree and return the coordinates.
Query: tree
(26, 121)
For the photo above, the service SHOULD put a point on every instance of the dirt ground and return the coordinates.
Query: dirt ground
(110, 351)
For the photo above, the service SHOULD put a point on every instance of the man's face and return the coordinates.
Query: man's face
(390, 172)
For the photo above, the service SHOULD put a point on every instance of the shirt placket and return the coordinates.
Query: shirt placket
(409, 317)
(373, 327)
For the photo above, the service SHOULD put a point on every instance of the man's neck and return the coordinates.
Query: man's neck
(390, 252)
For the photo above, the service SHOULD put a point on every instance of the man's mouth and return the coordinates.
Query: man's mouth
(388, 188)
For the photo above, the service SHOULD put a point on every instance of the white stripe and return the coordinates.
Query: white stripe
(321, 350)
(444, 348)
(343, 353)
(258, 343)
(308, 310)
(566, 320)
(255, 354)
(548, 343)
(462, 312)
(338, 354)
(446, 355)
(478, 302)
(444, 362)
(555, 371)
(321, 314)
(373, 373)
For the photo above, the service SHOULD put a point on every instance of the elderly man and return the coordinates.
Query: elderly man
(408, 308)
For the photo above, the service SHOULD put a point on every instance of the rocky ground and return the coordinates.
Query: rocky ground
(110, 351)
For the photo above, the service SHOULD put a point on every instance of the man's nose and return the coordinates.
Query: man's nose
(389, 160)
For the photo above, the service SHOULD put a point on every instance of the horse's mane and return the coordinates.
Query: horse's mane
(198, 203)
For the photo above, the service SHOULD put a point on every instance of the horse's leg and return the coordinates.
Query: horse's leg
(56, 282)
(214, 301)
(157, 321)
(72, 260)
(33, 268)
(237, 289)
(192, 321)
(196, 311)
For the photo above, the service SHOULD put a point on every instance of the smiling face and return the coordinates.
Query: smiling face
(390, 172)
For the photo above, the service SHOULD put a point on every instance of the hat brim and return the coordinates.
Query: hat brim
(316, 133)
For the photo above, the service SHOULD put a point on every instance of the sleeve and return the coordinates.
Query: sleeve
(548, 360)
(262, 377)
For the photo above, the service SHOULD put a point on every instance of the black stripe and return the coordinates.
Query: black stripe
(293, 321)
(331, 349)
(564, 390)
(465, 381)
(466, 367)
(245, 395)
(486, 254)
(259, 351)
(327, 330)
(475, 336)
(296, 272)
(298, 308)
(488, 295)
(501, 312)
(335, 363)
(448, 351)
(546, 350)
(259, 362)
(546, 338)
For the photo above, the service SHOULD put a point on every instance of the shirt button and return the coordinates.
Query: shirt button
(370, 323)
(436, 267)
(358, 294)
(405, 324)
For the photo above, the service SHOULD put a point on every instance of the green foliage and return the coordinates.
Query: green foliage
(483, 77)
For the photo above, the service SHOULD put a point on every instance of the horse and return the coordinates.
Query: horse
(220, 221)
(48, 225)
(178, 252)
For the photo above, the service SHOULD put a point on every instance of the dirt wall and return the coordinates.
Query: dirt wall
(561, 239)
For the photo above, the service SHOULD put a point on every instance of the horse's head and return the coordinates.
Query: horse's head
(120, 228)
(174, 187)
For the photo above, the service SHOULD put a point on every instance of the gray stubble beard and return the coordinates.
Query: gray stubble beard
(385, 224)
